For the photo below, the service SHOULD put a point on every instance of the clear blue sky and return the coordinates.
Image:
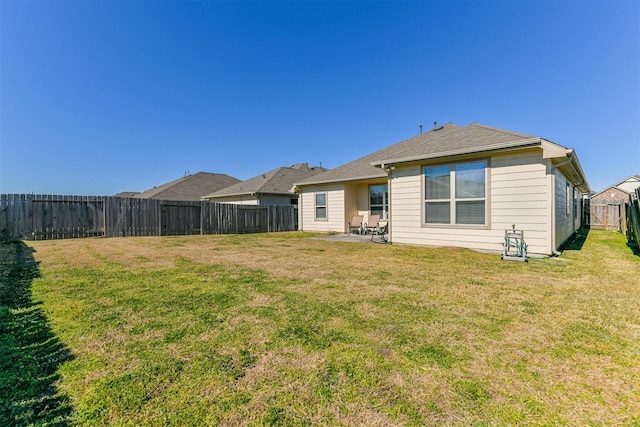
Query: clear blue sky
(98, 97)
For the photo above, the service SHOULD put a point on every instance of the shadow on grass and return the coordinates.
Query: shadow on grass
(30, 353)
(576, 242)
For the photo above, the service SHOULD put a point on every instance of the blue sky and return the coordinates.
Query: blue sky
(98, 97)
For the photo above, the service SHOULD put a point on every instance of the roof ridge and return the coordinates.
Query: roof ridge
(507, 131)
(429, 141)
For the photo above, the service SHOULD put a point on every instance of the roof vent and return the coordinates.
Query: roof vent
(436, 127)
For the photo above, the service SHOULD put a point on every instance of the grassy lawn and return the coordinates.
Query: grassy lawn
(284, 329)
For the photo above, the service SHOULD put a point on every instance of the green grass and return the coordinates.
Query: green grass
(281, 329)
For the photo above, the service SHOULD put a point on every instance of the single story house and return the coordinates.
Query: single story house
(269, 188)
(455, 186)
(189, 187)
(619, 191)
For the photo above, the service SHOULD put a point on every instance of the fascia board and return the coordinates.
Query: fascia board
(340, 180)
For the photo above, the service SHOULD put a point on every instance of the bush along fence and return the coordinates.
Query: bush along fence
(44, 217)
(633, 218)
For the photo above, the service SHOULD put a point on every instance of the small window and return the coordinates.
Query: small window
(321, 205)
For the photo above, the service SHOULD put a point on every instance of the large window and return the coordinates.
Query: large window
(455, 194)
(379, 200)
(321, 205)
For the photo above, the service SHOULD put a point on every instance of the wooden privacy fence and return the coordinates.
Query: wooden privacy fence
(633, 218)
(39, 217)
(607, 214)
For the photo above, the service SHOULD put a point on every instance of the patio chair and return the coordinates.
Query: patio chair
(382, 231)
(374, 221)
(356, 225)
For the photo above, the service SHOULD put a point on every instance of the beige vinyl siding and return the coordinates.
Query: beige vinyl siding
(276, 199)
(243, 200)
(565, 224)
(357, 200)
(351, 202)
(521, 195)
(335, 209)
(518, 193)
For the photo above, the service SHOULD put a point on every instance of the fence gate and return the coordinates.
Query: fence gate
(253, 219)
(607, 215)
(179, 220)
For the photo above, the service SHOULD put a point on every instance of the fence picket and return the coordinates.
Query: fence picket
(633, 218)
(35, 217)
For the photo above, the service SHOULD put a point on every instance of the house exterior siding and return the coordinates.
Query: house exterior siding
(275, 199)
(262, 199)
(242, 200)
(440, 182)
(565, 209)
(335, 220)
(518, 193)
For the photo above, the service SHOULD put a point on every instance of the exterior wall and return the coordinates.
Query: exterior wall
(265, 199)
(243, 200)
(611, 193)
(566, 211)
(351, 202)
(519, 192)
(275, 199)
(521, 195)
(630, 184)
(335, 209)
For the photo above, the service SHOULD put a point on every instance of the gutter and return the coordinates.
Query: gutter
(572, 160)
(337, 180)
(523, 144)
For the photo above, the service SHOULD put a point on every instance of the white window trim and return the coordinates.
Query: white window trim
(452, 199)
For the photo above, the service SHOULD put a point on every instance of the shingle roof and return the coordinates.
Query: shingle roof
(446, 140)
(190, 187)
(450, 141)
(126, 194)
(363, 169)
(474, 138)
(276, 181)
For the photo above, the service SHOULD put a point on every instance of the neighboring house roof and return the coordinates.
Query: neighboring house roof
(126, 194)
(276, 181)
(627, 185)
(190, 187)
(450, 141)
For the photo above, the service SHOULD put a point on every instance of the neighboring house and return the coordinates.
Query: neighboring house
(189, 187)
(269, 188)
(608, 208)
(455, 186)
(619, 191)
(127, 194)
